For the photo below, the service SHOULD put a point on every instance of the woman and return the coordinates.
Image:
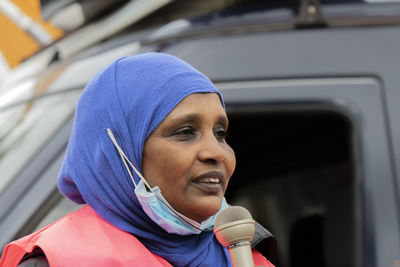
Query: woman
(150, 114)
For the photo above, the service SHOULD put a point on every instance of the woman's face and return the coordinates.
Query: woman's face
(188, 158)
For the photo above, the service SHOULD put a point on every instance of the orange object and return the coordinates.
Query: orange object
(17, 45)
(85, 239)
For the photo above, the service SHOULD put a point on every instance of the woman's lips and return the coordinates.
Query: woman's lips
(210, 182)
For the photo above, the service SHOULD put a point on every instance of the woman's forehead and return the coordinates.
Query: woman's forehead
(198, 106)
(210, 102)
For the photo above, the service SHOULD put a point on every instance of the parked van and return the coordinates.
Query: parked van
(312, 92)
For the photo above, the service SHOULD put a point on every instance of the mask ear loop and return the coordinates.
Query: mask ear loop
(125, 159)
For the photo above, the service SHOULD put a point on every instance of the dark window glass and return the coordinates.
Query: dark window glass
(295, 174)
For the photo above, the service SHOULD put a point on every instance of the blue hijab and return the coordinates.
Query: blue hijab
(132, 97)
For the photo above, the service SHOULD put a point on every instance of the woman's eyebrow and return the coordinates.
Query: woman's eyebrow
(187, 118)
(223, 119)
(194, 117)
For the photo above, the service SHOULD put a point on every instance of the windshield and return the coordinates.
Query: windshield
(26, 127)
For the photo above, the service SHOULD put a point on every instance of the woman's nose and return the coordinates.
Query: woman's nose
(211, 150)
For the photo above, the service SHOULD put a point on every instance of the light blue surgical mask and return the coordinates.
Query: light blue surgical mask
(157, 207)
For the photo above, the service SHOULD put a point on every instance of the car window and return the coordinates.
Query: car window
(26, 127)
(295, 173)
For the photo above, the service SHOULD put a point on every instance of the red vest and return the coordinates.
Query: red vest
(82, 238)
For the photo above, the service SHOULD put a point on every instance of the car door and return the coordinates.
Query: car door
(359, 216)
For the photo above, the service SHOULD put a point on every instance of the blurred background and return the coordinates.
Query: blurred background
(311, 89)
(23, 31)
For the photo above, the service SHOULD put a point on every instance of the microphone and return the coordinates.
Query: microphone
(234, 229)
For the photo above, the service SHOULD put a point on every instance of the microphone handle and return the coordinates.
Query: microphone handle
(241, 256)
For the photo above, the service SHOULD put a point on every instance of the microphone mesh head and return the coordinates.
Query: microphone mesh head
(231, 214)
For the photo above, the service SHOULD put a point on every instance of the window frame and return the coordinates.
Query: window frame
(359, 99)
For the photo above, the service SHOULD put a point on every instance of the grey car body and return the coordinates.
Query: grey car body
(313, 103)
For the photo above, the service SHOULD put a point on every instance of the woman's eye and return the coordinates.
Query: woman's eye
(184, 133)
(221, 134)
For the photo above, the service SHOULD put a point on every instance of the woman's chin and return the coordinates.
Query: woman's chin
(206, 209)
